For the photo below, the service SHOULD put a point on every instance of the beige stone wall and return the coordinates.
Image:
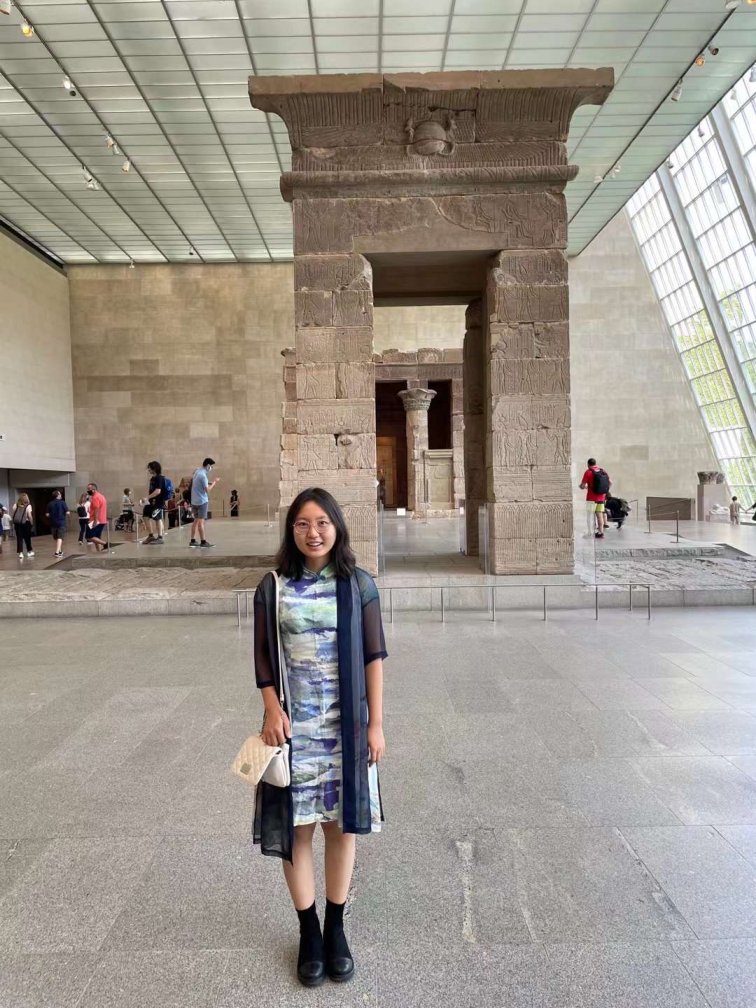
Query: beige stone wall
(179, 362)
(632, 407)
(36, 396)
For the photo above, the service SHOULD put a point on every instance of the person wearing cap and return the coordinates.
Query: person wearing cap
(200, 500)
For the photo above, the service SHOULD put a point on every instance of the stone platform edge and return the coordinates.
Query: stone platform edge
(226, 604)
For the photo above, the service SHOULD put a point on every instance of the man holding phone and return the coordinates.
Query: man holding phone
(200, 500)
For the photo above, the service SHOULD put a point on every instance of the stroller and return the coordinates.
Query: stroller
(124, 522)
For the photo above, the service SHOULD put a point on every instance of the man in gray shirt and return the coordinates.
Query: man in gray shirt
(200, 500)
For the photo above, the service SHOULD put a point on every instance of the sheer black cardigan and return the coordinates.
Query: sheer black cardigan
(360, 640)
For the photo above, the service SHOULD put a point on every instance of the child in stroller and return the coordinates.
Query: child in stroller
(125, 520)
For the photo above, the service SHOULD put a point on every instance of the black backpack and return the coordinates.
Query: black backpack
(600, 481)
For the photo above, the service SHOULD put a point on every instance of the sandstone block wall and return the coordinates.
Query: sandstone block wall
(176, 362)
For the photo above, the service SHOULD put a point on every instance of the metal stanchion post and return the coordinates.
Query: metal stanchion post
(391, 605)
(492, 593)
(631, 597)
(110, 548)
(246, 605)
(443, 610)
(238, 610)
(544, 603)
(648, 518)
(677, 525)
(596, 587)
(648, 599)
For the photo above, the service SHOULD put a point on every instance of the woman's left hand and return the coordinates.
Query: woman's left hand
(376, 744)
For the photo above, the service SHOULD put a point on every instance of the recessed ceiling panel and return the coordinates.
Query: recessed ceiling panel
(157, 155)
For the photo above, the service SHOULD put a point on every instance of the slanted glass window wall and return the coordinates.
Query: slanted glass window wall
(718, 354)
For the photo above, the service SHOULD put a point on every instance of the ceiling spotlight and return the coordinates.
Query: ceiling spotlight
(701, 131)
(731, 4)
(713, 50)
(27, 30)
(126, 166)
(67, 83)
(598, 179)
(131, 264)
(677, 92)
(670, 164)
(5, 6)
(92, 184)
(752, 75)
(191, 251)
(732, 96)
(111, 144)
(617, 169)
(700, 59)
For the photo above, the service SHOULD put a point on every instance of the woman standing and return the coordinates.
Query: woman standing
(329, 619)
(22, 523)
(82, 513)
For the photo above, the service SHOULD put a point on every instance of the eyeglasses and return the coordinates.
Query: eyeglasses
(302, 527)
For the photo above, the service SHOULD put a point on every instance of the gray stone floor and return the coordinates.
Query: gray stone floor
(572, 818)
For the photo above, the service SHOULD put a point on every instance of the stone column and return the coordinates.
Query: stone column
(528, 412)
(474, 362)
(334, 431)
(416, 403)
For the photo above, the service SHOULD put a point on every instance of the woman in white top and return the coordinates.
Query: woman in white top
(82, 512)
(22, 523)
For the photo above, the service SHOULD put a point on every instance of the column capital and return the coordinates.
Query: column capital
(416, 398)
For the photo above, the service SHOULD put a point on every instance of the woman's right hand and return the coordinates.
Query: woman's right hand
(276, 728)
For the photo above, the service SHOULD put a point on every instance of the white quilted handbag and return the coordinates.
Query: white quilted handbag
(256, 760)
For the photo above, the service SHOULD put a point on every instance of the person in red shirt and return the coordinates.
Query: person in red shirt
(595, 498)
(98, 517)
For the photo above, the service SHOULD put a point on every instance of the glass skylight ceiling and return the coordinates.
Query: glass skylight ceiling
(695, 222)
(167, 80)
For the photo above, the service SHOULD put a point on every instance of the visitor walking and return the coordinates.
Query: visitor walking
(154, 504)
(22, 523)
(596, 484)
(82, 513)
(57, 512)
(200, 501)
(233, 504)
(332, 717)
(98, 518)
(5, 518)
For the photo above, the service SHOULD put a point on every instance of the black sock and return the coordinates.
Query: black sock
(310, 937)
(336, 945)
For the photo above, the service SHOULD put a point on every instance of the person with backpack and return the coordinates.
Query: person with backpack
(22, 523)
(596, 484)
(160, 490)
(57, 512)
(200, 500)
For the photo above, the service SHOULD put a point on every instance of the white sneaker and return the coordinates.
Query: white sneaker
(20, 556)
(30, 554)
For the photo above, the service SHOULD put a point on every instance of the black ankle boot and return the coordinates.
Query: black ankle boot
(338, 958)
(311, 960)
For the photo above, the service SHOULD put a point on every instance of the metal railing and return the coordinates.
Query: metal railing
(243, 594)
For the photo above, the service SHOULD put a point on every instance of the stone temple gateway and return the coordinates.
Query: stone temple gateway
(436, 185)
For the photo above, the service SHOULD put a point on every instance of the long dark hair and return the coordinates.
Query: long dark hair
(156, 468)
(290, 562)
